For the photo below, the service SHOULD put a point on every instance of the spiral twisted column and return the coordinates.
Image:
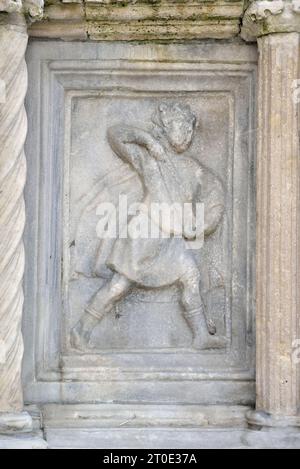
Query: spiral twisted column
(13, 129)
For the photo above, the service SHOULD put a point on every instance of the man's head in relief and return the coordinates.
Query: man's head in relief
(178, 123)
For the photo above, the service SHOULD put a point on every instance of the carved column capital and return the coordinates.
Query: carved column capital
(264, 17)
(32, 9)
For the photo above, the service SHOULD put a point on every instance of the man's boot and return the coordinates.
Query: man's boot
(202, 339)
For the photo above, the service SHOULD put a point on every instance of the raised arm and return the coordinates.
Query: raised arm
(124, 141)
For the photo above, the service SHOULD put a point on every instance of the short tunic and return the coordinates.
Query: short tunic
(151, 262)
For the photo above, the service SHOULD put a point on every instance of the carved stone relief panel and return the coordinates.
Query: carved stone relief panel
(123, 128)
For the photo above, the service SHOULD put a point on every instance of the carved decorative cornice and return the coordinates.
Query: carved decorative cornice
(140, 19)
(31, 8)
(264, 17)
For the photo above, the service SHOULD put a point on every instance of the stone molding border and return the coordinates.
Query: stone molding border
(140, 20)
(276, 26)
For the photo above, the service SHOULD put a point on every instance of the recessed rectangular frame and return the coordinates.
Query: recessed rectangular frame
(58, 71)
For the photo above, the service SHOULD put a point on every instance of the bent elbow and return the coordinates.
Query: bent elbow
(112, 133)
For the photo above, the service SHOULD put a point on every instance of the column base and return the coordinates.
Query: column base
(259, 419)
(17, 432)
(22, 441)
(19, 422)
(171, 438)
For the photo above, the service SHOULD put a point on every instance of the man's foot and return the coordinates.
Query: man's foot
(209, 342)
(80, 338)
(81, 334)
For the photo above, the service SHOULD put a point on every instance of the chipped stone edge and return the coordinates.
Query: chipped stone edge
(33, 9)
(264, 17)
(106, 20)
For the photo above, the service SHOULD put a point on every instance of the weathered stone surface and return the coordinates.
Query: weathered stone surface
(13, 128)
(171, 439)
(148, 351)
(141, 20)
(22, 442)
(277, 309)
(15, 422)
(137, 346)
(265, 17)
(32, 8)
(143, 416)
(152, 258)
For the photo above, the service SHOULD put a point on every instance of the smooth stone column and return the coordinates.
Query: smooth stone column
(278, 212)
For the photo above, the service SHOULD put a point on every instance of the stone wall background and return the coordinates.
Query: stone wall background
(275, 25)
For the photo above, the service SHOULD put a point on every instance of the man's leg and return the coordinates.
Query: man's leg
(194, 313)
(102, 303)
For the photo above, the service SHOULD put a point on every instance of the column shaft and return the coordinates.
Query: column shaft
(278, 234)
(13, 128)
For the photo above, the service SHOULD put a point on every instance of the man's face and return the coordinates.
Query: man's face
(179, 133)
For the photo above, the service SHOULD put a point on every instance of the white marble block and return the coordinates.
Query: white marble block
(148, 341)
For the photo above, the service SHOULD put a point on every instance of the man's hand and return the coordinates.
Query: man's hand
(157, 151)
